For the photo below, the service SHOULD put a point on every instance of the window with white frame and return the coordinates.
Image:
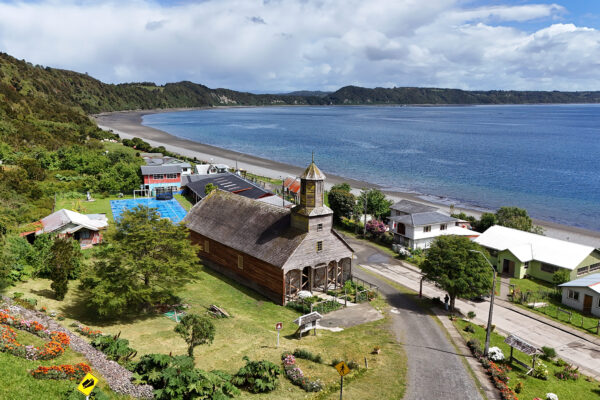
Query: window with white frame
(573, 294)
(157, 176)
(443, 227)
(319, 227)
(171, 176)
(583, 270)
(427, 228)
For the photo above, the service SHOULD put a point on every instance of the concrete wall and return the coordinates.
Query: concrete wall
(578, 304)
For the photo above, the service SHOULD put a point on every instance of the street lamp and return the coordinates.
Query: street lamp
(489, 325)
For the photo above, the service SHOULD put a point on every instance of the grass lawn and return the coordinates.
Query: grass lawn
(250, 331)
(185, 203)
(533, 387)
(98, 206)
(18, 384)
(579, 321)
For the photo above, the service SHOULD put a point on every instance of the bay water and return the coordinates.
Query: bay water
(545, 158)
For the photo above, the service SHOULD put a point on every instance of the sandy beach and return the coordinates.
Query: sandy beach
(128, 124)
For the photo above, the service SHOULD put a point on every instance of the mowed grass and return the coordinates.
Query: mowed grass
(578, 320)
(249, 332)
(18, 384)
(533, 387)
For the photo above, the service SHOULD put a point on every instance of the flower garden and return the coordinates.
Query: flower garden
(549, 378)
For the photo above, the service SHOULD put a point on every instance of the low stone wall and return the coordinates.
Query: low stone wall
(117, 377)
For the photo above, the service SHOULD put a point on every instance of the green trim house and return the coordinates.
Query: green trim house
(517, 254)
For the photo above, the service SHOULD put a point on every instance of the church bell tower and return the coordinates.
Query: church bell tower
(312, 214)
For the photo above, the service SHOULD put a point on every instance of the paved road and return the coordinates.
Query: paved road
(508, 319)
(435, 370)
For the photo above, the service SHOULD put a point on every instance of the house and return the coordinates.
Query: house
(274, 250)
(195, 186)
(415, 225)
(519, 253)
(210, 169)
(85, 228)
(291, 187)
(186, 168)
(163, 174)
(583, 294)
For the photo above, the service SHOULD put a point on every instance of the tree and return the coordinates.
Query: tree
(561, 276)
(486, 221)
(454, 268)
(344, 187)
(195, 330)
(342, 203)
(146, 258)
(514, 217)
(377, 204)
(209, 188)
(376, 228)
(64, 257)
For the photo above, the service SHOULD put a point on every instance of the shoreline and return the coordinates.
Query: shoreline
(128, 124)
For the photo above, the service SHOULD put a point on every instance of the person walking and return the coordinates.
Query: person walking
(446, 300)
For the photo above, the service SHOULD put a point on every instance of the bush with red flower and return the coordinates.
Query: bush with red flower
(66, 371)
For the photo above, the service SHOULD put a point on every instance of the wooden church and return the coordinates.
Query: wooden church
(276, 251)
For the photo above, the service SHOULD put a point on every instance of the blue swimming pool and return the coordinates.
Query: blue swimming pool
(166, 208)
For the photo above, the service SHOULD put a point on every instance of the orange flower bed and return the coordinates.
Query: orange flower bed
(66, 371)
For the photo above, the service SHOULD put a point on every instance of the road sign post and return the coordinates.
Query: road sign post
(342, 369)
(87, 384)
(278, 326)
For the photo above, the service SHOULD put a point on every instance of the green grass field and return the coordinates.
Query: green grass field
(578, 320)
(533, 387)
(250, 331)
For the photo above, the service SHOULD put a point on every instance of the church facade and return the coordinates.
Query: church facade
(275, 251)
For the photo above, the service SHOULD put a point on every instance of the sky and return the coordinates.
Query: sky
(276, 46)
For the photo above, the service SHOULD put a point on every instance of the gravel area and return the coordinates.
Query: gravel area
(117, 377)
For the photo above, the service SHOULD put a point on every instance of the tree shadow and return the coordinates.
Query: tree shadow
(47, 293)
(232, 282)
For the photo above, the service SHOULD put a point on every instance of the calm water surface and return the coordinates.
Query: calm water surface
(544, 158)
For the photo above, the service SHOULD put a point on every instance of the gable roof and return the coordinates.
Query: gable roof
(424, 218)
(591, 281)
(411, 207)
(60, 218)
(255, 228)
(527, 246)
(161, 169)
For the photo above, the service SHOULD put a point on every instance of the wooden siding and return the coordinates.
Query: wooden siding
(256, 274)
(306, 255)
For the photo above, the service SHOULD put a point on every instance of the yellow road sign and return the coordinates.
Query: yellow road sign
(87, 384)
(342, 368)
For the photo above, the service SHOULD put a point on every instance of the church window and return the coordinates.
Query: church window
(319, 246)
(240, 262)
(319, 227)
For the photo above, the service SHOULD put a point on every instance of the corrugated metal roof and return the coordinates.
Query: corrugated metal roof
(591, 281)
(225, 181)
(62, 218)
(411, 207)
(160, 169)
(527, 246)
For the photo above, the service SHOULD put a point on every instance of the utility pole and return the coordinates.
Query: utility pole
(489, 325)
(365, 225)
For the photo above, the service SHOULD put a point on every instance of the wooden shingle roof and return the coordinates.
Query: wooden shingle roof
(255, 228)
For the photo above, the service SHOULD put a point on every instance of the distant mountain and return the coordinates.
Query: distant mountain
(307, 93)
(414, 95)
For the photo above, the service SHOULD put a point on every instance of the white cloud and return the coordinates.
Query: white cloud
(307, 44)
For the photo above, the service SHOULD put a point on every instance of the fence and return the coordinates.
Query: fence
(363, 295)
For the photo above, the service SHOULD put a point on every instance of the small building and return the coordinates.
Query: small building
(163, 174)
(211, 169)
(274, 250)
(518, 253)
(583, 294)
(291, 187)
(85, 228)
(195, 186)
(415, 225)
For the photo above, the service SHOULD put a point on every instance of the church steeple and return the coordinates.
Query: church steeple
(312, 192)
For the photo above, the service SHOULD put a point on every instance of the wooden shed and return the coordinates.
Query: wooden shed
(273, 250)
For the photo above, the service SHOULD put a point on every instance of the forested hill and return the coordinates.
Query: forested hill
(93, 96)
(413, 95)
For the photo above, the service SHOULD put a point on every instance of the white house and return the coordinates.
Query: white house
(415, 225)
(210, 169)
(84, 228)
(583, 294)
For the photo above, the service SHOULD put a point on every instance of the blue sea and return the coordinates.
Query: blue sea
(545, 158)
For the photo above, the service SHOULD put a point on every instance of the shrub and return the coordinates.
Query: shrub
(86, 331)
(353, 365)
(549, 353)
(257, 376)
(495, 354)
(97, 394)
(471, 315)
(540, 371)
(116, 349)
(469, 328)
(336, 361)
(568, 373)
(519, 387)
(307, 355)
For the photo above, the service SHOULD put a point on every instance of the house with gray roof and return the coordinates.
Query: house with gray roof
(415, 225)
(583, 293)
(85, 228)
(274, 250)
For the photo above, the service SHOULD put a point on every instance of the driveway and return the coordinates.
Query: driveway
(435, 369)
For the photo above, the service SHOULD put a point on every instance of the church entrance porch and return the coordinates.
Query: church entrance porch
(318, 278)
